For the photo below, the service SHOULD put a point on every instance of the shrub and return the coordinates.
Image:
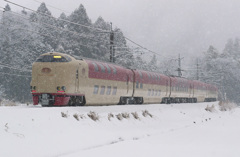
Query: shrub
(125, 115)
(226, 105)
(64, 115)
(94, 116)
(110, 115)
(119, 116)
(76, 116)
(145, 113)
(210, 109)
(135, 115)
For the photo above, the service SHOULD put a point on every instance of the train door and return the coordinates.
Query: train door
(77, 81)
(134, 82)
(127, 83)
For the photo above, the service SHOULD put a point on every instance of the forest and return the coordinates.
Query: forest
(26, 35)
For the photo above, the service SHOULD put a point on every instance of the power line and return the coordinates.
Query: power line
(145, 48)
(52, 7)
(55, 18)
(60, 29)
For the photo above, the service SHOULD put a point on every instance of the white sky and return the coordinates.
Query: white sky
(168, 27)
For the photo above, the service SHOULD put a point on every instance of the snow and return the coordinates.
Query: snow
(176, 130)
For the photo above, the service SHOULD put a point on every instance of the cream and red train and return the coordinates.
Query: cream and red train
(59, 79)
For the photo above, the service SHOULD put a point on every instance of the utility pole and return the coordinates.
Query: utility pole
(112, 49)
(179, 66)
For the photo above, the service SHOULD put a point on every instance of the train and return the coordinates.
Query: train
(59, 79)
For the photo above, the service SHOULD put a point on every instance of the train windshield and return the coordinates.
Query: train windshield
(53, 58)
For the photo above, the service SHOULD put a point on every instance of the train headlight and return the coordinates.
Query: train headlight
(58, 88)
(33, 89)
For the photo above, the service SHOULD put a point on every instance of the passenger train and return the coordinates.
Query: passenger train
(59, 79)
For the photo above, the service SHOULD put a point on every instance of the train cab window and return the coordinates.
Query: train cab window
(102, 68)
(102, 90)
(108, 68)
(95, 90)
(108, 90)
(149, 92)
(95, 67)
(68, 58)
(52, 58)
(114, 92)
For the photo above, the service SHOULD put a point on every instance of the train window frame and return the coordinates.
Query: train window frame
(96, 69)
(102, 91)
(95, 89)
(109, 89)
(114, 91)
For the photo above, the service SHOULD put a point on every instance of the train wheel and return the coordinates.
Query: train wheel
(79, 101)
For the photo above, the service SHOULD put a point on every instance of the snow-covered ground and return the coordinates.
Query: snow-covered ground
(176, 130)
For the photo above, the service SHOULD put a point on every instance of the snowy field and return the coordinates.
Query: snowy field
(177, 130)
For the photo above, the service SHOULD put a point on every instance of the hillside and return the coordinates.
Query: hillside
(167, 130)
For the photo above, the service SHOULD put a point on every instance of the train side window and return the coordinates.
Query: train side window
(140, 74)
(108, 69)
(156, 92)
(159, 77)
(108, 90)
(114, 92)
(114, 70)
(102, 68)
(137, 84)
(152, 92)
(95, 67)
(149, 77)
(102, 90)
(149, 92)
(95, 90)
(159, 92)
(141, 85)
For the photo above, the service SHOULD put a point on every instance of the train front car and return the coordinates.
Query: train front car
(54, 78)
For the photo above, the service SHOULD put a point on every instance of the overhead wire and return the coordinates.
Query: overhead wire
(93, 28)
(58, 28)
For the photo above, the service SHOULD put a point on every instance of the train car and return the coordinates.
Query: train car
(59, 79)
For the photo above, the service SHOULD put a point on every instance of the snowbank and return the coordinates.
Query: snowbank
(130, 130)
